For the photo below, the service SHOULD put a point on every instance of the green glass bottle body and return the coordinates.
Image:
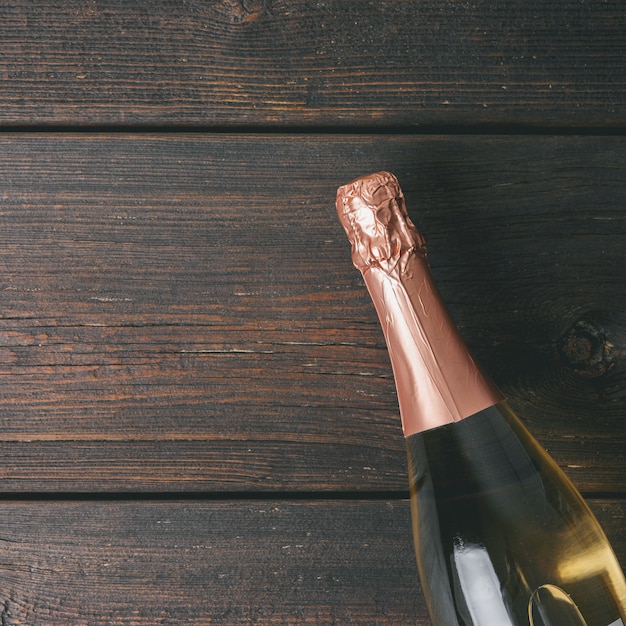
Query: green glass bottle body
(502, 537)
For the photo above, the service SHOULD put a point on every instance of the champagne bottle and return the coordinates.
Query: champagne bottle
(502, 536)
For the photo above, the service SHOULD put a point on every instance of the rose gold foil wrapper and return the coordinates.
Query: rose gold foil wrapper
(437, 380)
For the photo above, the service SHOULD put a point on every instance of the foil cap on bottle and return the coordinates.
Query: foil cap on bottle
(437, 380)
(373, 213)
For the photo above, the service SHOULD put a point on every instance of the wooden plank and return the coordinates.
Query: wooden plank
(221, 562)
(180, 312)
(208, 563)
(334, 63)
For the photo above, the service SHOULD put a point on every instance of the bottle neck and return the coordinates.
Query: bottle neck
(437, 380)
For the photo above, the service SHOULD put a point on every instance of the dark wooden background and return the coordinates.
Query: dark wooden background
(198, 422)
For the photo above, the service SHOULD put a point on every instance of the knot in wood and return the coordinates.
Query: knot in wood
(585, 347)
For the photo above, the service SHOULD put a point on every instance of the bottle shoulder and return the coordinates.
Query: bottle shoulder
(490, 451)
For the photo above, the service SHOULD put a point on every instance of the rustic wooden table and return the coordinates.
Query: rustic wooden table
(198, 422)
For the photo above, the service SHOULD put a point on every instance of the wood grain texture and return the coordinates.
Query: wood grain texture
(198, 422)
(308, 63)
(180, 312)
(236, 562)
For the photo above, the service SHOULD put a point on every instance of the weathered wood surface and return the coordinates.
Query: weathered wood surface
(198, 423)
(181, 313)
(221, 562)
(304, 63)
